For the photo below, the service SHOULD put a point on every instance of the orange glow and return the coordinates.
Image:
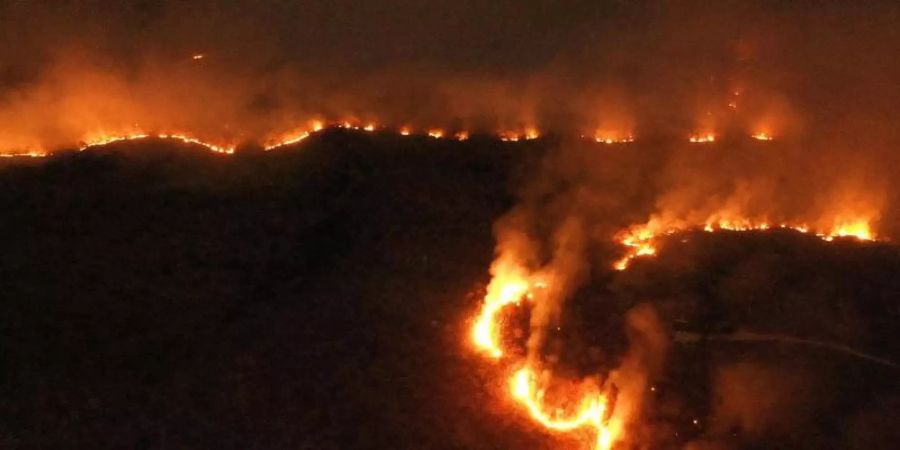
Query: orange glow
(198, 56)
(103, 139)
(190, 140)
(503, 291)
(566, 409)
(297, 137)
(527, 134)
(580, 407)
(369, 127)
(612, 137)
(703, 138)
(462, 135)
(589, 412)
(437, 134)
(640, 240)
(405, 131)
(762, 136)
(29, 154)
(859, 229)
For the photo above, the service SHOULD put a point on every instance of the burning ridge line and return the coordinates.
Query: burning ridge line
(302, 133)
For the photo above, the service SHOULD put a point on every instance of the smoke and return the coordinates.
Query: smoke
(826, 102)
(648, 345)
(613, 69)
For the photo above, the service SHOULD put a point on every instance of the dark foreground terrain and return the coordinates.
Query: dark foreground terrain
(154, 296)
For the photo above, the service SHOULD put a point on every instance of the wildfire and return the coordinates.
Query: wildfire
(500, 294)
(582, 408)
(703, 138)
(97, 141)
(104, 139)
(640, 240)
(311, 127)
(190, 140)
(590, 412)
(858, 229)
(515, 136)
(29, 154)
(607, 137)
(288, 141)
(315, 126)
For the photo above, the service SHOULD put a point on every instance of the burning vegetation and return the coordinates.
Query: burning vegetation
(649, 146)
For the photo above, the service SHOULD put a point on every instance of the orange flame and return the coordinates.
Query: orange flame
(590, 412)
(510, 286)
(104, 139)
(28, 154)
(612, 137)
(640, 240)
(703, 138)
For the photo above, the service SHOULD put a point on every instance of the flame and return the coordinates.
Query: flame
(501, 293)
(584, 407)
(296, 135)
(859, 229)
(611, 137)
(590, 412)
(527, 134)
(300, 133)
(28, 154)
(198, 56)
(105, 139)
(640, 240)
(190, 140)
(703, 138)
(288, 141)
